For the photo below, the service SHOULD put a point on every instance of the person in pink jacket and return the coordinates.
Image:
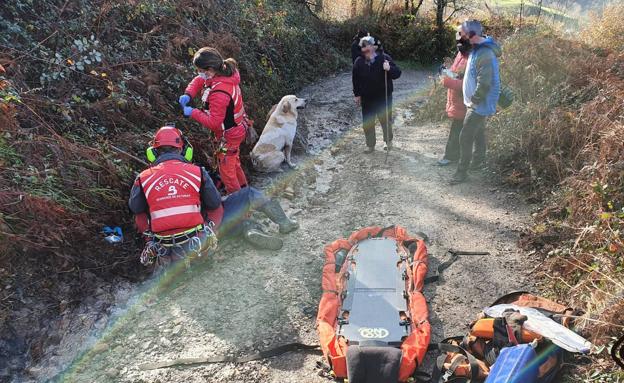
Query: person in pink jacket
(452, 79)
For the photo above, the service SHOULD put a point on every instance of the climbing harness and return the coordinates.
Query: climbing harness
(200, 239)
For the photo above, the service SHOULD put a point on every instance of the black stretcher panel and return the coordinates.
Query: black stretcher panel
(375, 294)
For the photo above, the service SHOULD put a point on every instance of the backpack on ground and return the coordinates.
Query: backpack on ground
(503, 348)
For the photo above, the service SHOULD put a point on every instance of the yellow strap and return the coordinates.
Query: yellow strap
(189, 231)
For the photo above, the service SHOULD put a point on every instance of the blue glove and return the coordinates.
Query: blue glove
(188, 110)
(184, 99)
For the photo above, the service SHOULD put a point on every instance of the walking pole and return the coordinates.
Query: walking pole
(388, 127)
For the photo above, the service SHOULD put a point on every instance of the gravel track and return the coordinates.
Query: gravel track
(243, 300)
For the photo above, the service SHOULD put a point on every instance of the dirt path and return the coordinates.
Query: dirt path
(245, 300)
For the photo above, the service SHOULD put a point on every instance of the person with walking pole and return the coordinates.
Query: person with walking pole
(372, 77)
(388, 122)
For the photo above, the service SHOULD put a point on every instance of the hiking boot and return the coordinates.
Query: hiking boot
(458, 178)
(444, 162)
(253, 234)
(479, 165)
(388, 146)
(274, 211)
(369, 150)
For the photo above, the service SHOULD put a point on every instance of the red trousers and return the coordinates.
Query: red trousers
(230, 168)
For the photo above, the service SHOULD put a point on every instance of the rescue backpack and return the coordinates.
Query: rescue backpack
(500, 348)
(373, 320)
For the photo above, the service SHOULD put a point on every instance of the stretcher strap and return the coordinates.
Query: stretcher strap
(381, 233)
(438, 376)
(445, 265)
(279, 350)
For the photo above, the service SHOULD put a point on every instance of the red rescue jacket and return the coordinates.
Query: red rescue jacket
(455, 107)
(172, 191)
(223, 103)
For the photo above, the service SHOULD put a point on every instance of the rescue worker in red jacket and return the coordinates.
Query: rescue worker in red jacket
(224, 112)
(168, 200)
(179, 209)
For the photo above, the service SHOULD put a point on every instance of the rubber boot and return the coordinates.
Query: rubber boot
(274, 211)
(258, 239)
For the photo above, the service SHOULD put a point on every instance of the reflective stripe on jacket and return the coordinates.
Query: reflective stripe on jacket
(224, 103)
(172, 192)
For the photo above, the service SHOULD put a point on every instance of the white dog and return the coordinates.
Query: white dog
(276, 141)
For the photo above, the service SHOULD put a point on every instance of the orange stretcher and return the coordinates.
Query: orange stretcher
(372, 304)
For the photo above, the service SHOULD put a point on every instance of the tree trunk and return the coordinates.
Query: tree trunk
(382, 8)
(440, 32)
(318, 7)
(417, 8)
(440, 7)
(369, 7)
(539, 11)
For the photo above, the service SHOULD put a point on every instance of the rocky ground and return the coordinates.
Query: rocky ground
(243, 300)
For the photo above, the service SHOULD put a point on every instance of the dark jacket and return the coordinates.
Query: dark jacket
(210, 197)
(356, 51)
(368, 78)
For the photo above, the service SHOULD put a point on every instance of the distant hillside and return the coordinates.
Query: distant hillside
(531, 8)
(584, 4)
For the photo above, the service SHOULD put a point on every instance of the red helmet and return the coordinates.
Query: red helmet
(168, 136)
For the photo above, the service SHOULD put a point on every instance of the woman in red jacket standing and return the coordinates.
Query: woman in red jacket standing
(452, 79)
(223, 111)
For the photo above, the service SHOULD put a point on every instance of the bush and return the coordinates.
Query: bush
(404, 36)
(561, 141)
(105, 73)
(84, 77)
(606, 30)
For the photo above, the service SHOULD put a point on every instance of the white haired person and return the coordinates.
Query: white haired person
(373, 73)
(481, 86)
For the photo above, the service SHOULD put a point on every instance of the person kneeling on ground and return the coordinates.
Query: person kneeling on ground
(232, 218)
(372, 76)
(181, 213)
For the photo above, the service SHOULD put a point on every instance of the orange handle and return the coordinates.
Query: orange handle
(484, 328)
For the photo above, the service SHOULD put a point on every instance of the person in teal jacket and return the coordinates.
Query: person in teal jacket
(481, 88)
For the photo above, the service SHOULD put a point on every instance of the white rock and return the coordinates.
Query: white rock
(176, 330)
